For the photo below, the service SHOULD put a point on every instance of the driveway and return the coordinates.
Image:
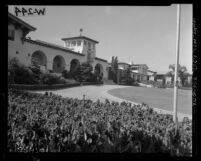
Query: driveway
(95, 92)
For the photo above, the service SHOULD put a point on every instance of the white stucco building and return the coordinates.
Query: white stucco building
(140, 72)
(51, 56)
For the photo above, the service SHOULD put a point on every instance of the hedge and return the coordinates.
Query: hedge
(42, 87)
(47, 87)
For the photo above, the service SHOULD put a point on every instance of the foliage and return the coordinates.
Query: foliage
(66, 74)
(127, 81)
(114, 69)
(19, 74)
(50, 123)
(51, 79)
(182, 73)
(85, 73)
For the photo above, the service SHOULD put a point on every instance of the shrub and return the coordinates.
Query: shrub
(66, 74)
(19, 74)
(51, 79)
(127, 81)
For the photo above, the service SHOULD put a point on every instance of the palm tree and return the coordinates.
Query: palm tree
(182, 73)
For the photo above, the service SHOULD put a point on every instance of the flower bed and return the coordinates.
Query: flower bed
(50, 123)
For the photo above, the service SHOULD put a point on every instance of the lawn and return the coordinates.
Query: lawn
(155, 97)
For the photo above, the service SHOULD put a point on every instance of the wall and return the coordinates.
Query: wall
(26, 48)
(16, 44)
(123, 66)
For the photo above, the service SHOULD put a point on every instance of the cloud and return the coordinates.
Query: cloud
(108, 10)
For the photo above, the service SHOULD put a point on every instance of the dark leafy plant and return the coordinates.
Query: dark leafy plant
(50, 123)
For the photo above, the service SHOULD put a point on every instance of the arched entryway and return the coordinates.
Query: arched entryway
(39, 58)
(58, 64)
(74, 65)
(98, 69)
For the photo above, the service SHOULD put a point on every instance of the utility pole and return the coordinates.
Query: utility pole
(175, 119)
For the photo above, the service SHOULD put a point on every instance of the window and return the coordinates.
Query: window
(85, 43)
(11, 34)
(67, 43)
(78, 43)
(89, 45)
(134, 68)
(73, 43)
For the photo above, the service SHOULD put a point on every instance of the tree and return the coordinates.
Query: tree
(114, 69)
(85, 72)
(182, 73)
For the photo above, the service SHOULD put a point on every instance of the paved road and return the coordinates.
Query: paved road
(101, 92)
(93, 92)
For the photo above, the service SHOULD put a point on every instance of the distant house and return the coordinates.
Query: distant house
(168, 80)
(139, 72)
(160, 78)
(151, 75)
(190, 78)
(123, 67)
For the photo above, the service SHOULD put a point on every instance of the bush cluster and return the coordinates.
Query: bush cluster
(20, 74)
(51, 79)
(50, 123)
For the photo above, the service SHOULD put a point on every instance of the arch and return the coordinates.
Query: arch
(99, 69)
(74, 65)
(58, 64)
(39, 58)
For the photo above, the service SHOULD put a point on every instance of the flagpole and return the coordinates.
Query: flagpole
(175, 119)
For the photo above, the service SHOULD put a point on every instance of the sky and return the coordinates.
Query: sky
(138, 34)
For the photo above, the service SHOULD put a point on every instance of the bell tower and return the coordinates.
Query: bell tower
(82, 44)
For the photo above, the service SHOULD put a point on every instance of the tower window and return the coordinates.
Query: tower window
(67, 43)
(73, 43)
(79, 43)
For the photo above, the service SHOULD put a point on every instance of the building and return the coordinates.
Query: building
(139, 72)
(160, 78)
(50, 56)
(151, 75)
(123, 70)
(189, 79)
(168, 80)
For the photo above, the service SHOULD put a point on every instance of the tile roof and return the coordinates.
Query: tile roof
(79, 37)
(21, 22)
(47, 44)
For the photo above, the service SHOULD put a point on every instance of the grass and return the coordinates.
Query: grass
(155, 97)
